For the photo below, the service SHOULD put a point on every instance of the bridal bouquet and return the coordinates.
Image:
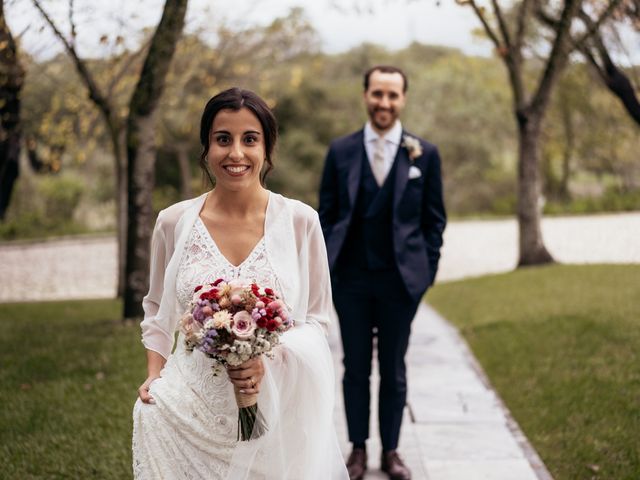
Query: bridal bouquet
(232, 322)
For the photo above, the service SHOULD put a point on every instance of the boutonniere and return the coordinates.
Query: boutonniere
(413, 146)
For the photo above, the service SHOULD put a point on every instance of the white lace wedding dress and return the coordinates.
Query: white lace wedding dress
(191, 430)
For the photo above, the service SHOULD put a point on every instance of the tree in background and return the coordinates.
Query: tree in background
(589, 147)
(141, 152)
(588, 144)
(508, 32)
(11, 81)
(596, 51)
(132, 141)
(103, 98)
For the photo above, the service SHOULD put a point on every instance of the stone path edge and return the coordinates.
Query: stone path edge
(530, 453)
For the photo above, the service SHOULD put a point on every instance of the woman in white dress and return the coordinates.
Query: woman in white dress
(185, 420)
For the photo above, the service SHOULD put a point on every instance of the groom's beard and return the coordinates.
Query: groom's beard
(383, 118)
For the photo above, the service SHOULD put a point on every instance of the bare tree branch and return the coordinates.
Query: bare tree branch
(594, 27)
(614, 79)
(558, 55)
(479, 11)
(94, 90)
(521, 23)
(74, 34)
(124, 69)
(504, 29)
(511, 54)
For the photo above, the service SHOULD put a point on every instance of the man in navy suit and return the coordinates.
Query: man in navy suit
(383, 216)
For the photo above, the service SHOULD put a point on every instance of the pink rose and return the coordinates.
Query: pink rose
(243, 325)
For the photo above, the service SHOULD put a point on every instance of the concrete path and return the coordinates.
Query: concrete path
(473, 248)
(73, 268)
(455, 426)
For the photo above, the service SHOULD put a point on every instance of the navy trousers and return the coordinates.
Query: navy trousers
(374, 304)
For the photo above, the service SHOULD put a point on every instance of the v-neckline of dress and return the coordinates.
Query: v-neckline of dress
(248, 259)
(254, 251)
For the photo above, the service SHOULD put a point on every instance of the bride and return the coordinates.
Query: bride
(185, 420)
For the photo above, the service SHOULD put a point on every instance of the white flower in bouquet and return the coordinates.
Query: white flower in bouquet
(243, 348)
(222, 319)
(233, 359)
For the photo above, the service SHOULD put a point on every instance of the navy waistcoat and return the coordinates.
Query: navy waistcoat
(369, 242)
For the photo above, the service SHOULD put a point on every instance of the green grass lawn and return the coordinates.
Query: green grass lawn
(561, 344)
(68, 379)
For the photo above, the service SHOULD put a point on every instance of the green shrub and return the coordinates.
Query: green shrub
(43, 206)
(61, 195)
(611, 201)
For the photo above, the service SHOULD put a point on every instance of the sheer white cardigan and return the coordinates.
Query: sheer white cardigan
(295, 247)
(297, 393)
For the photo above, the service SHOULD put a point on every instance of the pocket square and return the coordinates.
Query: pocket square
(414, 172)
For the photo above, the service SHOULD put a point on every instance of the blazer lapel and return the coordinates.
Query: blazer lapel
(354, 155)
(402, 174)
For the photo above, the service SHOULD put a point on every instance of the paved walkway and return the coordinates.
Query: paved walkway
(456, 427)
(473, 248)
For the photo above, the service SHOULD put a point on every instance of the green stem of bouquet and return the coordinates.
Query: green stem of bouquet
(249, 424)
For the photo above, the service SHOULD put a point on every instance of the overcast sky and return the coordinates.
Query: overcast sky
(392, 23)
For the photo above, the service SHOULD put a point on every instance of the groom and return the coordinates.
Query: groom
(382, 216)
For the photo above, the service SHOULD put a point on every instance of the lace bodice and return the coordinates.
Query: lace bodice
(202, 262)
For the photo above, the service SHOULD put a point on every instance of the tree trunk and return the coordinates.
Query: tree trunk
(141, 154)
(141, 173)
(121, 194)
(532, 249)
(182, 151)
(9, 166)
(11, 81)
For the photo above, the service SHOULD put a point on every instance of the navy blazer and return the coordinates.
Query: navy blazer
(419, 216)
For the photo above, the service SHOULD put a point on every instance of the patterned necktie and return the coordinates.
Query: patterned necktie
(378, 165)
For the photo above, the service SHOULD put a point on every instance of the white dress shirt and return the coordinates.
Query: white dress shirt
(392, 140)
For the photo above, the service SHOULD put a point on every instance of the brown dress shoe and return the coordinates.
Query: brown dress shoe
(393, 466)
(357, 464)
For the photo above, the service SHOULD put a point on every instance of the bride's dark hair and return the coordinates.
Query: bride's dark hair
(234, 99)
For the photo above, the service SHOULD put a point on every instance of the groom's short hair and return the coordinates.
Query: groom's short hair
(385, 69)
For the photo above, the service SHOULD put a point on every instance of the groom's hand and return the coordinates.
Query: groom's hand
(248, 376)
